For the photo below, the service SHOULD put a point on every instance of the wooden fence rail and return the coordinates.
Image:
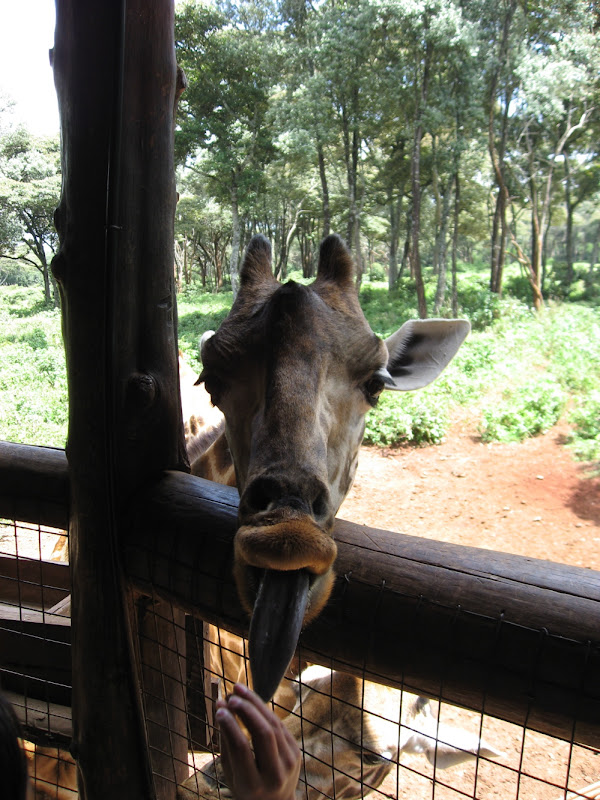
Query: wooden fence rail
(513, 637)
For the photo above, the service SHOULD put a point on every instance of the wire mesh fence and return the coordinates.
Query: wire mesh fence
(358, 738)
(35, 662)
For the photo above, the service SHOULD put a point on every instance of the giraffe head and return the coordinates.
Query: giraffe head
(295, 369)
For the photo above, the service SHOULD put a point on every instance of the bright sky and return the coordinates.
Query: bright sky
(26, 36)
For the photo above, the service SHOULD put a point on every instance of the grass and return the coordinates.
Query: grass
(199, 312)
(515, 374)
(33, 382)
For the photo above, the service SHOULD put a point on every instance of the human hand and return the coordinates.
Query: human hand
(271, 771)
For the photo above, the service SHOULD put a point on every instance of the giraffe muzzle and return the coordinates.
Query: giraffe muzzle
(285, 539)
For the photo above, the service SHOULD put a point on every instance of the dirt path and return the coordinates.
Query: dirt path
(529, 499)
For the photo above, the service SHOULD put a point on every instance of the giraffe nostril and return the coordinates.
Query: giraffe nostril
(260, 495)
(320, 506)
(266, 493)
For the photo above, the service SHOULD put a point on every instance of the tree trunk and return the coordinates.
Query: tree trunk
(595, 250)
(500, 223)
(115, 73)
(324, 190)
(236, 236)
(442, 247)
(570, 206)
(351, 137)
(541, 200)
(415, 256)
(497, 151)
(437, 199)
(395, 211)
(535, 273)
(536, 260)
(455, 245)
(406, 259)
(46, 277)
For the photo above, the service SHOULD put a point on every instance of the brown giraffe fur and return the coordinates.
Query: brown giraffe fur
(295, 369)
(352, 741)
(365, 744)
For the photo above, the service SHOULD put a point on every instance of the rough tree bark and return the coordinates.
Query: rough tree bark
(116, 78)
(497, 150)
(415, 228)
(541, 198)
(324, 190)
(236, 233)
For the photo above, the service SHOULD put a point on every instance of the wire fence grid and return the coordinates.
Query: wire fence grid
(357, 738)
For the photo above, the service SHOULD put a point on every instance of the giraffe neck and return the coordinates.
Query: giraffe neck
(214, 461)
(204, 429)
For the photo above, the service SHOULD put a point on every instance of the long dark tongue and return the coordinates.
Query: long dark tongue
(275, 627)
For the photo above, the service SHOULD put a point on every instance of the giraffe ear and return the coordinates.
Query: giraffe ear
(203, 340)
(421, 349)
(256, 267)
(335, 261)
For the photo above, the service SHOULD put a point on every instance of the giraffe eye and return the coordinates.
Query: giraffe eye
(213, 385)
(373, 388)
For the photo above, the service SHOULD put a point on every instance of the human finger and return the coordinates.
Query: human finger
(281, 732)
(265, 730)
(235, 748)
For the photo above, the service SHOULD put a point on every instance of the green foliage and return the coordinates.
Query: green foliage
(229, 71)
(17, 273)
(569, 339)
(513, 378)
(478, 304)
(585, 417)
(527, 411)
(29, 192)
(545, 358)
(33, 383)
(407, 418)
(386, 310)
(199, 312)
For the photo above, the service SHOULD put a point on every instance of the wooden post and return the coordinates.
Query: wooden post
(116, 78)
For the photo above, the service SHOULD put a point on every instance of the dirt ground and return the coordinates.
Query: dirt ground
(529, 499)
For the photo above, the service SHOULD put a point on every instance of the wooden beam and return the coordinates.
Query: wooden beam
(34, 484)
(36, 660)
(514, 637)
(42, 722)
(28, 583)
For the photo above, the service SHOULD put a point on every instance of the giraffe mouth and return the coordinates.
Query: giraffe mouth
(284, 576)
(277, 619)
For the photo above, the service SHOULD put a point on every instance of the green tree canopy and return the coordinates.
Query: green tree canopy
(29, 192)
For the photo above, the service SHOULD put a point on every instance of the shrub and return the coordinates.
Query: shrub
(479, 305)
(585, 438)
(531, 409)
(518, 286)
(571, 340)
(386, 310)
(406, 418)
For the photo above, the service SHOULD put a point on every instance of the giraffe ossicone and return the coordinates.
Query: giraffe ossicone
(295, 369)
